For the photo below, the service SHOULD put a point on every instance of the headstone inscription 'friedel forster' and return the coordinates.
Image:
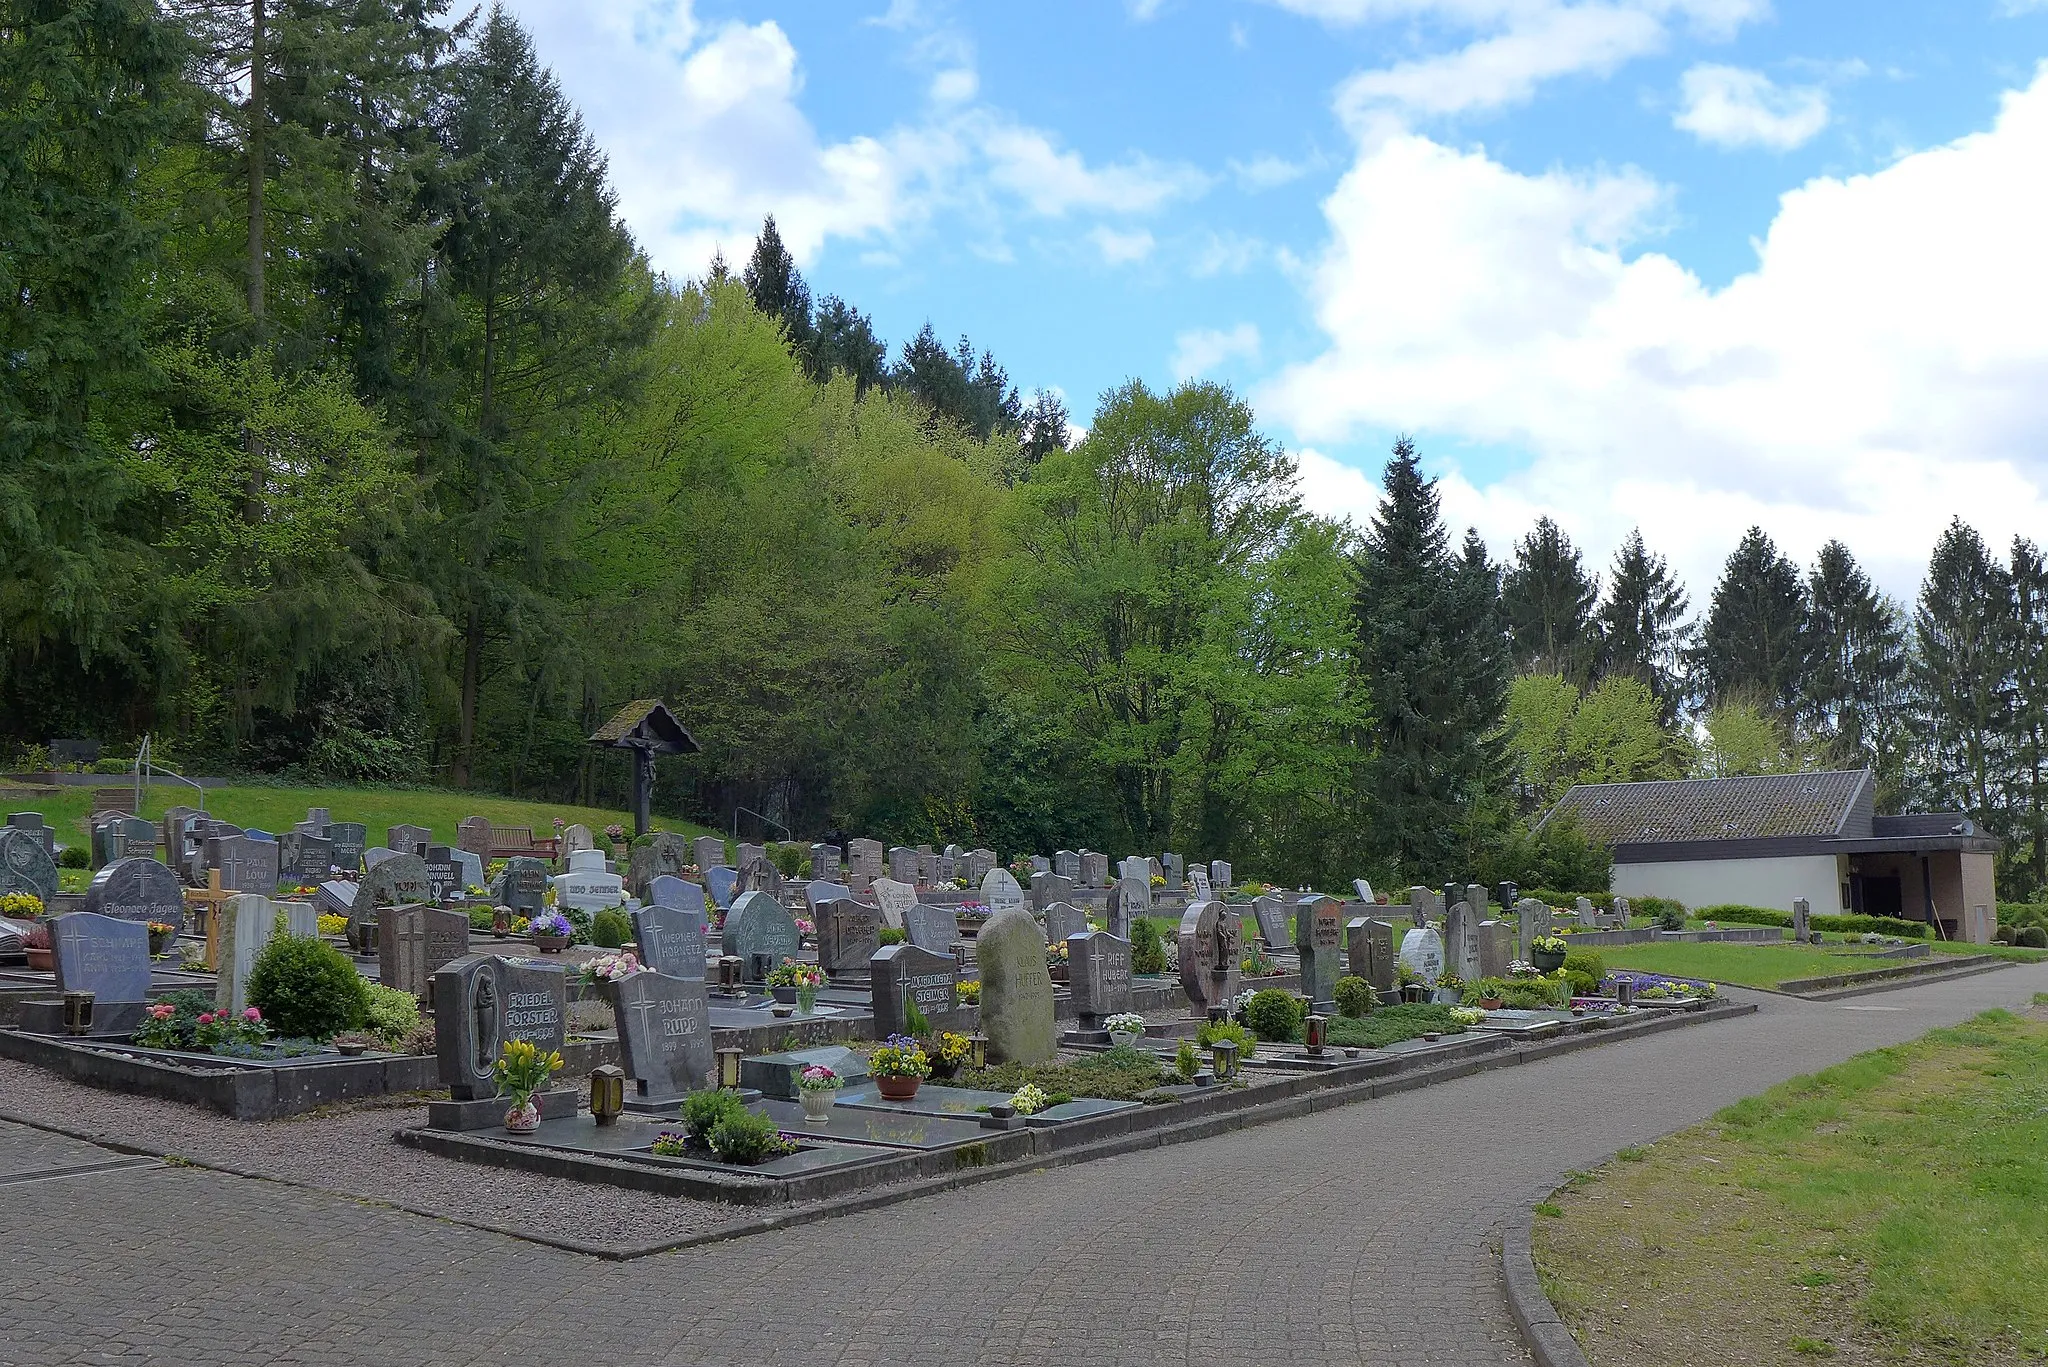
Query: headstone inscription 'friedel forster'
(903, 974)
(483, 1001)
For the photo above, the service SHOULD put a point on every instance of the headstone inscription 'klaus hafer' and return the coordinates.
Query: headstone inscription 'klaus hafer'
(1016, 989)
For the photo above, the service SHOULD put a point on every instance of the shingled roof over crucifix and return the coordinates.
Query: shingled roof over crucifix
(646, 724)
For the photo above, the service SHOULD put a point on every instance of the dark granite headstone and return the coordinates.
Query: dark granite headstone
(444, 875)
(818, 892)
(138, 889)
(1047, 888)
(526, 883)
(25, 866)
(1099, 976)
(667, 890)
(348, 839)
(1129, 898)
(104, 955)
(1372, 951)
(848, 936)
(664, 1029)
(905, 973)
(304, 858)
(1211, 945)
(408, 839)
(903, 864)
(659, 852)
(1271, 914)
(481, 1002)
(1064, 920)
(932, 929)
(415, 942)
(246, 864)
(32, 822)
(671, 940)
(334, 898)
(1319, 939)
(825, 862)
(759, 931)
(722, 884)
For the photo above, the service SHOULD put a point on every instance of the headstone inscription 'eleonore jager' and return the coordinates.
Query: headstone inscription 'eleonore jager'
(138, 889)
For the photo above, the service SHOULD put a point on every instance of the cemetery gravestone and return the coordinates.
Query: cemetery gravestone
(722, 883)
(376, 855)
(442, 874)
(1066, 864)
(131, 837)
(1363, 889)
(245, 863)
(589, 891)
(105, 955)
(1270, 912)
(848, 936)
(1099, 976)
(1219, 873)
(981, 863)
(1040, 864)
(525, 888)
(1016, 990)
(1173, 869)
(903, 864)
(1129, 898)
(576, 837)
(1800, 912)
(825, 863)
(1422, 954)
(1372, 951)
(1319, 938)
(664, 1027)
(347, 840)
(1000, 891)
(32, 822)
(1533, 917)
(667, 890)
(758, 875)
(334, 898)
(1094, 869)
(895, 898)
(303, 858)
(672, 940)
(817, 893)
(708, 851)
(1461, 947)
(469, 869)
(654, 854)
(1063, 921)
(472, 833)
(484, 1001)
(301, 920)
(414, 839)
(1211, 946)
(904, 974)
(761, 933)
(415, 942)
(1494, 947)
(863, 863)
(932, 929)
(1199, 876)
(246, 924)
(1587, 916)
(173, 832)
(746, 853)
(137, 889)
(1047, 888)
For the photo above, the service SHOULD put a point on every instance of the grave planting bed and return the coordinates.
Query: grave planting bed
(941, 1139)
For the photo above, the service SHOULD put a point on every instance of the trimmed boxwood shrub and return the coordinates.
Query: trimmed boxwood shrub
(1746, 916)
(1273, 1015)
(1245, 1040)
(702, 1112)
(2031, 937)
(610, 928)
(1148, 953)
(74, 857)
(307, 988)
(1354, 996)
(743, 1137)
(1869, 925)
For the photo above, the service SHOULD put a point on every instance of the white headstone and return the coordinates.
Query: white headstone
(245, 926)
(895, 898)
(1000, 891)
(1422, 953)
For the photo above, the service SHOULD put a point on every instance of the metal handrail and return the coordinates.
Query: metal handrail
(758, 816)
(146, 770)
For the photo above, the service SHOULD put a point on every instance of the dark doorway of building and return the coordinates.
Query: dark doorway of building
(1881, 896)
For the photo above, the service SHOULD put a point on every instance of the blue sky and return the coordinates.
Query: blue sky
(1677, 264)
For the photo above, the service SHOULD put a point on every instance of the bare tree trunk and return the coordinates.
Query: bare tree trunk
(472, 667)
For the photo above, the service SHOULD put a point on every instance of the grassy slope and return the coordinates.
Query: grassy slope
(278, 809)
(1894, 1208)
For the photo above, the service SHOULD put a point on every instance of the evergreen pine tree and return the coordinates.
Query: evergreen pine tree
(1549, 600)
(1641, 623)
(1429, 653)
(1045, 427)
(2026, 650)
(845, 343)
(1852, 692)
(777, 288)
(1961, 630)
(1754, 643)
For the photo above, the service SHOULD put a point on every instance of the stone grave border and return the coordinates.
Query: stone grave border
(898, 1175)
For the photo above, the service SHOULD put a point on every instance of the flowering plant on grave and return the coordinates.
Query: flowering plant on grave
(790, 973)
(21, 906)
(522, 1069)
(161, 1028)
(970, 991)
(551, 923)
(611, 968)
(1056, 955)
(1549, 944)
(1125, 1023)
(1255, 964)
(615, 832)
(804, 927)
(670, 1144)
(1451, 981)
(558, 823)
(899, 1056)
(1522, 968)
(215, 1028)
(1158, 880)
(1467, 1015)
(494, 870)
(818, 1078)
(950, 1052)
(1030, 1099)
(162, 927)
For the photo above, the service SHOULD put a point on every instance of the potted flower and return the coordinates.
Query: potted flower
(35, 942)
(1450, 989)
(551, 931)
(817, 1087)
(1547, 952)
(1056, 961)
(1029, 1099)
(617, 835)
(20, 906)
(522, 1070)
(793, 983)
(1125, 1028)
(897, 1066)
(161, 933)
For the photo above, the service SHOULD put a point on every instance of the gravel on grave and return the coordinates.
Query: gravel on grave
(349, 1150)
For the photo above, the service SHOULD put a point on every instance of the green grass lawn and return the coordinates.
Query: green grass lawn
(1765, 965)
(279, 809)
(1893, 1208)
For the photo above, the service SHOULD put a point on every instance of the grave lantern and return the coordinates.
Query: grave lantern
(977, 1050)
(1223, 1059)
(729, 1069)
(1624, 992)
(1318, 1033)
(729, 973)
(607, 1093)
(77, 1012)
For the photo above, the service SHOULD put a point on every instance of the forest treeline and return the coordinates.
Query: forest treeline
(345, 432)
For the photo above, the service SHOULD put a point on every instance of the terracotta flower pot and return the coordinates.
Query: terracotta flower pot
(38, 959)
(897, 1088)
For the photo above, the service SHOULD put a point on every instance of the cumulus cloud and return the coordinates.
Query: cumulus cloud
(1120, 248)
(1201, 350)
(705, 132)
(1731, 107)
(1880, 369)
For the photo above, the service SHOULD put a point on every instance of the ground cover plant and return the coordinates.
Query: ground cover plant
(1892, 1208)
(1392, 1024)
(1114, 1075)
(1747, 965)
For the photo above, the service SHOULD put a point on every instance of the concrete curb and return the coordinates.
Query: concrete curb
(1543, 1332)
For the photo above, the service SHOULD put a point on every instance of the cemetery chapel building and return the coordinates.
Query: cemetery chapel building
(1766, 840)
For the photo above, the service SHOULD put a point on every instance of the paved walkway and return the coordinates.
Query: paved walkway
(1362, 1234)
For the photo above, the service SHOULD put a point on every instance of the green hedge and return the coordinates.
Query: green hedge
(2018, 914)
(1603, 901)
(1747, 916)
(1869, 925)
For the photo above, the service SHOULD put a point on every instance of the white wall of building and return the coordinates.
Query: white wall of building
(1774, 883)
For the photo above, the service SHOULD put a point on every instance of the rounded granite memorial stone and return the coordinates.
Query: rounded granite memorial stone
(1016, 989)
(138, 889)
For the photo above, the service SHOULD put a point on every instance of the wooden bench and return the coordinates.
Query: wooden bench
(510, 841)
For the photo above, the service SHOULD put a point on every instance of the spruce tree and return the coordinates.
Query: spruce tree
(1045, 427)
(1430, 654)
(1960, 627)
(2026, 651)
(1641, 622)
(777, 287)
(1754, 643)
(844, 343)
(1549, 600)
(1852, 693)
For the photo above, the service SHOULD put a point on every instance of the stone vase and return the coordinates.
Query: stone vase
(1124, 1039)
(817, 1102)
(785, 995)
(523, 1118)
(1549, 960)
(897, 1088)
(551, 944)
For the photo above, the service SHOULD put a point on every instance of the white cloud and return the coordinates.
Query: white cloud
(1880, 369)
(1145, 10)
(705, 132)
(1266, 171)
(1731, 107)
(1120, 248)
(1226, 254)
(1201, 350)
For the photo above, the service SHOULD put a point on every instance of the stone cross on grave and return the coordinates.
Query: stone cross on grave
(641, 1010)
(412, 946)
(206, 903)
